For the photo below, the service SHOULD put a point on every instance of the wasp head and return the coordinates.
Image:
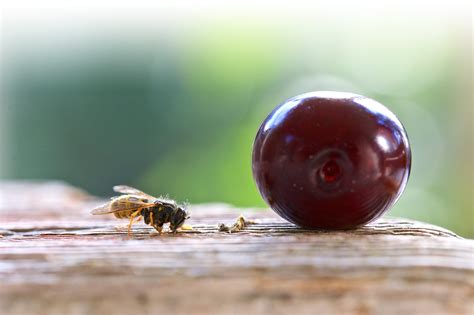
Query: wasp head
(177, 219)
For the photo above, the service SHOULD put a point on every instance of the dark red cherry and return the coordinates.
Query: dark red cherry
(331, 160)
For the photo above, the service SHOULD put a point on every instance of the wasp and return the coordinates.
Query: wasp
(135, 204)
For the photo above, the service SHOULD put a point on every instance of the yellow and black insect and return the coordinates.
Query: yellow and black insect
(137, 204)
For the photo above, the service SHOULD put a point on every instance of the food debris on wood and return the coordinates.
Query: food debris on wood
(186, 227)
(238, 226)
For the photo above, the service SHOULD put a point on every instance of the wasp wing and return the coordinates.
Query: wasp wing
(103, 209)
(131, 191)
(127, 203)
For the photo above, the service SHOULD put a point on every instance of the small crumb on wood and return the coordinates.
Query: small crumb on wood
(186, 227)
(238, 226)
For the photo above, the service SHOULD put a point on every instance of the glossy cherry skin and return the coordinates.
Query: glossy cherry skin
(331, 160)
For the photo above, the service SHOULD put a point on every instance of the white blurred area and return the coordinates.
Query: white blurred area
(401, 31)
(363, 18)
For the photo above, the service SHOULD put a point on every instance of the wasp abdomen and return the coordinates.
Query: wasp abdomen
(122, 214)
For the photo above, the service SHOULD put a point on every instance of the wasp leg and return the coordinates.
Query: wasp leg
(132, 216)
(122, 228)
(159, 228)
(151, 218)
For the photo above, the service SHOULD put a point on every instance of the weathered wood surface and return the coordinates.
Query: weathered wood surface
(55, 258)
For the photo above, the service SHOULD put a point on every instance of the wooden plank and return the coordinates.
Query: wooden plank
(57, 259)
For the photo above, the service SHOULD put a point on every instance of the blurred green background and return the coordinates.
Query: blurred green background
(169, 98)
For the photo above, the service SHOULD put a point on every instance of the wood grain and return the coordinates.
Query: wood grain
(55, 258)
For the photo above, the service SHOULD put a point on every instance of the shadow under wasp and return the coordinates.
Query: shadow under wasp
(137, 204)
